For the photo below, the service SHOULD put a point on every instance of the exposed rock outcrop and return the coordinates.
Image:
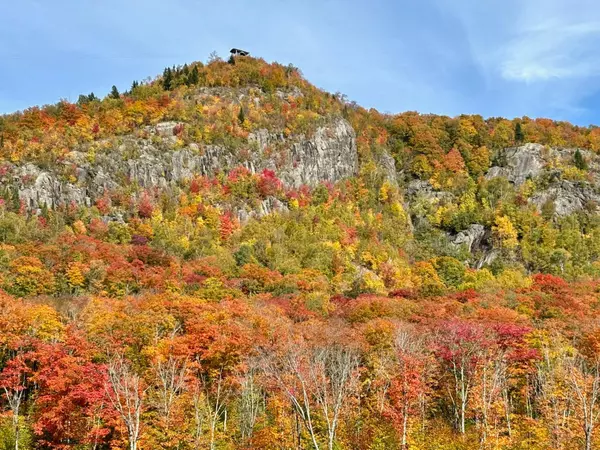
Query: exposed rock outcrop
(568, 197)
(387, 166)
(421, 188)
(519, 163)
(534, 160)
(471, 237)
(329, 154)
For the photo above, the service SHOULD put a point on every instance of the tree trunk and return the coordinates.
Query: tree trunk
(588, 437)
(405, 429)
(17, 431)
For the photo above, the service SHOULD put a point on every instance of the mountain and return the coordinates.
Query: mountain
(226, 256)
(455, 177)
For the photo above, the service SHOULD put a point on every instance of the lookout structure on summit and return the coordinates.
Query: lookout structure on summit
(238, 52)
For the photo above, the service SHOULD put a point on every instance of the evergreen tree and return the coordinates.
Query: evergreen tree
(114, 93)
(16, 200)
(519, 136)
(44, 212)
(241, 115)
(134, 85)
(231, 60)
(167, 79)
(85, 99)
(194, 76)
(579, 161)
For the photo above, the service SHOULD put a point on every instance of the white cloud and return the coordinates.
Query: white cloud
(555, 49)
(537, 57)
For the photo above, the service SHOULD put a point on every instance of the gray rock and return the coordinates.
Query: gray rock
(387, 166)
(330, 154)
(568, 197)
(422, 188)
(520, 163)
(266, 207)
(38, 188)
(488, 258)
(471, 237)
(164, 129)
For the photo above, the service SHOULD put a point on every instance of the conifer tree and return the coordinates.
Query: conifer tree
(114, 93)
(519, 136)
(167, 79)
(241, 115)
(194, 76)
(579, 161)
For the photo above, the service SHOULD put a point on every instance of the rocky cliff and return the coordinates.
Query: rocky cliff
(551, 170)
(547, 176)
(329, 154)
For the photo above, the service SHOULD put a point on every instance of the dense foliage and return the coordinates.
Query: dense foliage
(344, 320)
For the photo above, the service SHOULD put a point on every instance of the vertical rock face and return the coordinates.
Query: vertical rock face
(519, 163)
(330, 154)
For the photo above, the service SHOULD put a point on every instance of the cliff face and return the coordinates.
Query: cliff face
(548, 169)
(329, 154)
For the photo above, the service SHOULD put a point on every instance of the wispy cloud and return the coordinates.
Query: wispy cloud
(538, 57)
(554, 49)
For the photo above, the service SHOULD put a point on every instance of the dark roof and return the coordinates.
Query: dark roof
(237, 51)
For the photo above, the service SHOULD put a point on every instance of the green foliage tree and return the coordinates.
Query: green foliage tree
(114, 93)
(167, 81)
(194, 77)
(579, 161)
(519, 135)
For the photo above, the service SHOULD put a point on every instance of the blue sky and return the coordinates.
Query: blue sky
(508, 58)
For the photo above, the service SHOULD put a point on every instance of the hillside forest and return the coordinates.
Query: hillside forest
(246, 308)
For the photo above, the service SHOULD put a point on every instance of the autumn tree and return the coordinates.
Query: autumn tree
(126, 392)
(460, 347)
(319, 379)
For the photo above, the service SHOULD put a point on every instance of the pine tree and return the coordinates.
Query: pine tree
(241, 115)
(44, 212)
(194, 76)
(579, 161)
(519, 136)
(114, 93)
(85, 99)
(16, 200)
(134, 85)
(167, 79)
